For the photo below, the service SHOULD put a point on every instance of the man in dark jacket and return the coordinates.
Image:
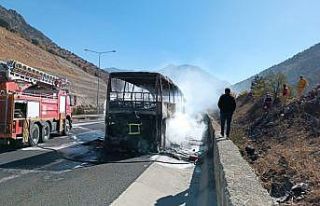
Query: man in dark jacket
(227, 105)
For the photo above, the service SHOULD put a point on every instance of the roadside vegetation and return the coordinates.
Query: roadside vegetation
(281, 142)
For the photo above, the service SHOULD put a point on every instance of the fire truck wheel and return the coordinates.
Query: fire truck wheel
(45, 135)
(67, 127)
(34, 135)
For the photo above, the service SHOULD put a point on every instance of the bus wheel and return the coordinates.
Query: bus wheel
(45, 132)
(34, 135)
(67, 127)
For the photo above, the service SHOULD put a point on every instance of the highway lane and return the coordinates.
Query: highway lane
(33, 176)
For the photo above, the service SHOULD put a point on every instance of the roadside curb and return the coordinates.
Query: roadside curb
(236, 182)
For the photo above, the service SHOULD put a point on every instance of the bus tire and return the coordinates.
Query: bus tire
(34, 136)
(46, 132)
(66, 127)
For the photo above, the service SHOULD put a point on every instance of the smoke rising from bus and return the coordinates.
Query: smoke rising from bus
(201, 92)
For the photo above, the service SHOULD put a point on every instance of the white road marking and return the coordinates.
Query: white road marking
(87, 123)
(55, 148)
(22, 172)
(79, 139)
(2, 180)
(83, 128)
(169, 159)
(60, 137)
(92, 135)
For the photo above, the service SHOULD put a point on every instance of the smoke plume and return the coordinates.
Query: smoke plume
(201, 92)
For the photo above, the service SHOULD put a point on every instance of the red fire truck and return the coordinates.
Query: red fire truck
(33, 104)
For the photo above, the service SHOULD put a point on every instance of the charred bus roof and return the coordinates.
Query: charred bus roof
(146, 79)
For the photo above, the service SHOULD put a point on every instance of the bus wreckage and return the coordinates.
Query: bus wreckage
(138, 106)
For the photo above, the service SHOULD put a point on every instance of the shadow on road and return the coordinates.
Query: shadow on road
(179, 199)
(5, 148)
(201, 191)
(82, 155)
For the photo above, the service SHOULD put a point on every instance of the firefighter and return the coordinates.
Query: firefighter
(302, 84)
(227, 106)
(285, 94)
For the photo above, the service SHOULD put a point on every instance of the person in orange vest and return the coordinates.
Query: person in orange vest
(302, 84)
(285, 94)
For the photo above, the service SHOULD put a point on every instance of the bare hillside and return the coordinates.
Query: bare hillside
(282, 146)
(14, 22)
(306, 63)
(84, 85)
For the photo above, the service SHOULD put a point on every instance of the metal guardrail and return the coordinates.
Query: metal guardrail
(87, 117)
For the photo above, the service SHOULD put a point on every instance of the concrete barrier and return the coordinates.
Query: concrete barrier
(87, 117)
(236, 182)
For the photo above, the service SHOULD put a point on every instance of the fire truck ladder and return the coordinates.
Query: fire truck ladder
(19, 71)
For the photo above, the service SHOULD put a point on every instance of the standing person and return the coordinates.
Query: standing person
(302, 84)
(267, 103)
(285, 94)
(227, 105)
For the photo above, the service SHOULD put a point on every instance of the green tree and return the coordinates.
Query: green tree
(258, 86)
(274, 83)
(4, 24)
(35, 41)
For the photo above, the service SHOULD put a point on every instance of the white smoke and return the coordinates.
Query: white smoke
(184, 128)
(201, 92)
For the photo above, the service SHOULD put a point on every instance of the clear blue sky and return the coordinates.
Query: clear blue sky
(230, 39)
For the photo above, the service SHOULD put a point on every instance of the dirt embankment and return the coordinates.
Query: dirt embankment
(84, 85)
(282, 145)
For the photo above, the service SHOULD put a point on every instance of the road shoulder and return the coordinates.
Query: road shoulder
(157, 182)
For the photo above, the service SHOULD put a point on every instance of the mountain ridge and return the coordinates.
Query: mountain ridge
(15, 22)
(305, 63)
(17, 44)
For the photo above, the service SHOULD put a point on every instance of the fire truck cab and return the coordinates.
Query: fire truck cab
(33, 104)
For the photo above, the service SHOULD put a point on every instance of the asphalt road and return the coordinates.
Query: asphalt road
(34, 176)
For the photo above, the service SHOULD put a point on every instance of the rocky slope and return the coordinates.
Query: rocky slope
(282, 146)
(20, 41)
(14, 22)
(83, 84)
(306, 63)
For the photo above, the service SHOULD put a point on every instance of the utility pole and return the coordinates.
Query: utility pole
(99, 68)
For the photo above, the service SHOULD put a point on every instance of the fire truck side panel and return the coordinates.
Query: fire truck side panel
(9, 86)
(68, 107)
(49, 109)
(33, 110)
(6, 115)
(62, 105)
(18, 125)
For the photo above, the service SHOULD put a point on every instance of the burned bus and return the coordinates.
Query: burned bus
(137, 108)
